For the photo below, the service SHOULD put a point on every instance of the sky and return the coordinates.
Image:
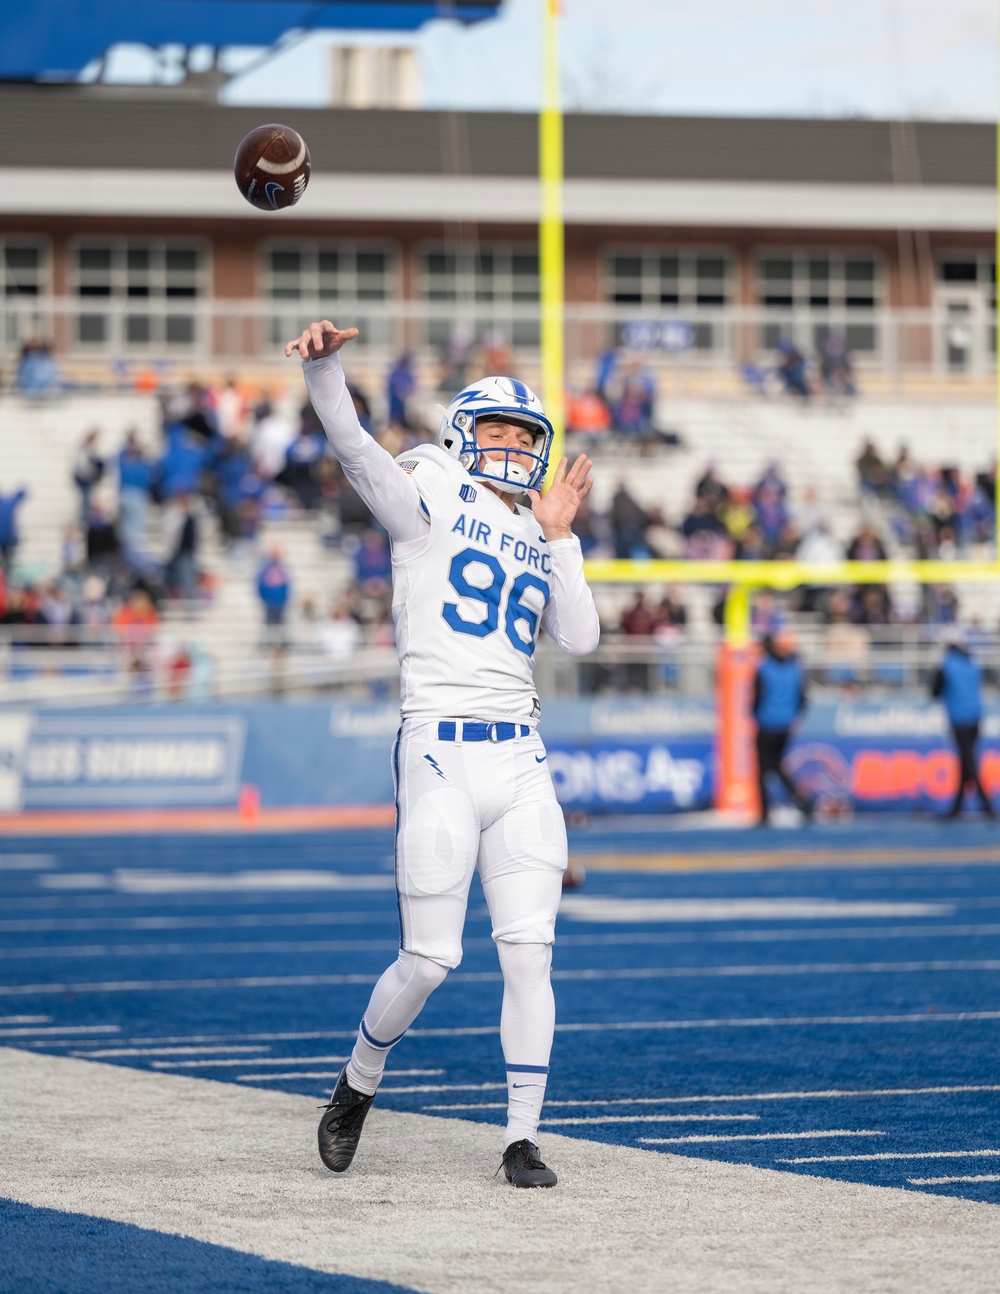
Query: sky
(830, 58)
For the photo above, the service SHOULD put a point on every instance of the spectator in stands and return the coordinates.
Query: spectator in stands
(792, 370)
(373, 564)
(274, 589)
(632, 403)
(771, 514)
(588, 419)
(181, 570)
(704, 534)
(638, 620)
(230, 410)
(301, 470)
(835, 367)
(103, 548)
(271, 437)
(9, 536)
(88, 469)
(400, 387)
(37, 371)
(361, 407)
(135, 490)
(779, 699)
(711, 488)
(629, 520)
(585, 527)
(767, 617)
(772, 480)
(846, 644)
(957, 684)
(184, 460)
(752, 547)
(340, 635)
(866, 546)
(873, 475)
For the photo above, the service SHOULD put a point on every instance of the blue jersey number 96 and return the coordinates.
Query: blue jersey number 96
(490, 597)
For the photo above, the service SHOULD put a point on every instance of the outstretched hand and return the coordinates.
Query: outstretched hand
(319, 340)
(555, 509)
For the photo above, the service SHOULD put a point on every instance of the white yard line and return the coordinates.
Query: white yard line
(948, 1181)
(764, 1136)
(237, 1166)
(821, 1095)
(910, 1154)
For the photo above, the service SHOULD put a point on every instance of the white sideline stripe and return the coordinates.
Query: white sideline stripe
(242, 1060)
(583, 907)
(765, 1136)
(947, 1181)
(106, 1052)
(325, 1073)
(229, 921)
(60, 1028)
(605, 1228)
(798, 934)
(25, 1019)
(211, 950)
(489, 977)
(917, 1154)
(478, 1031)
(141, 881)
(652, 1118)
(750, 1096)
(27, 862)
(443, 1087)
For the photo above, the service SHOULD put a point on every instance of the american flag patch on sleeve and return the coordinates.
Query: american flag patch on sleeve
(408, 465)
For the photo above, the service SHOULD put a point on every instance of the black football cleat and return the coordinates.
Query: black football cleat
(522, 1166)
(341, 1124)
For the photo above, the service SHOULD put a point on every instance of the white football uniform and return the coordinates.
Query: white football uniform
(473, 585)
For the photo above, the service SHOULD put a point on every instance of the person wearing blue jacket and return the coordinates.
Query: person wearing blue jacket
(779, 698)
(958, 684)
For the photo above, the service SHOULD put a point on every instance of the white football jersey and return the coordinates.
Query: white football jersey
(469, 598)
(473, 581)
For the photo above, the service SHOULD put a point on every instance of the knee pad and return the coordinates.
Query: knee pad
(422, 971)
(524, 963)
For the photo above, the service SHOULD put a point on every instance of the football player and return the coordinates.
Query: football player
(476, 576)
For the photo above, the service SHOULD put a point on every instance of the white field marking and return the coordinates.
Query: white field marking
(107, 1052)
(583, 907)
(60, 1028)
(229, 921)
(652, 1118)
(323, 1073)
(184, 950)
(27, 862)
(782, 934)
(831, 1094)
(242, 1060)
(489, 977)
(764, 1136)
(916, 1154)
(442, 1087)
(142, 881)
(605, 1230)
(947, 1181)
(25, 1019)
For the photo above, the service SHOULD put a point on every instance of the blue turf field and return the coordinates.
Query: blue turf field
(857, 1042)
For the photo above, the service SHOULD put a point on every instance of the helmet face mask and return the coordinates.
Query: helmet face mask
(498, 399)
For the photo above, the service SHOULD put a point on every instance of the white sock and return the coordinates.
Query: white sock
(527, 1022)
(395, 1003)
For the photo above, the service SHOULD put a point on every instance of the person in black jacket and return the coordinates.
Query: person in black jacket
(958, 684)
(778, 700)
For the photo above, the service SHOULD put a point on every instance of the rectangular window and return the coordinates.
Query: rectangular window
(330, 279)
(806, 294)
(492, 289)
(685, 282)
(155, 278)
(24, 265)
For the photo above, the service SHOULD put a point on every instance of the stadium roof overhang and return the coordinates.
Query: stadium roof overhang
(56, 39)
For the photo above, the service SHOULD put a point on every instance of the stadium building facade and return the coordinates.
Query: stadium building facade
(708, 241)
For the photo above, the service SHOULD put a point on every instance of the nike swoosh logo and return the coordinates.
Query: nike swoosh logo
(540, 759)
(271, 189)
(528, 1085)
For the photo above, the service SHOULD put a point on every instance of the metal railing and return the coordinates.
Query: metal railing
(38, 667)
(126, 333)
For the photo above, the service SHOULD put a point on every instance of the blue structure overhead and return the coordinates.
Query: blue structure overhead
(56, 39)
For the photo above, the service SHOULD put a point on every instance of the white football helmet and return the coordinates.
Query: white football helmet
(507, 400)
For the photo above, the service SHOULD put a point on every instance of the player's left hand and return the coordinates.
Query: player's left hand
(555, 509)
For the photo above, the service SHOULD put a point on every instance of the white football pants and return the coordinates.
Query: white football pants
(461, 805)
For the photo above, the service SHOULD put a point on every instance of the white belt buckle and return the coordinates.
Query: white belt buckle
(491, 733)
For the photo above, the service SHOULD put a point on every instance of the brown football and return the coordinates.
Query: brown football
(272, 167)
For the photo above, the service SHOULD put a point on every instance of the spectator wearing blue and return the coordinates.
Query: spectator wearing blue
(135, 488)
(274, 588)
(9, 537)
(183, 462)
(958, 684)
(792, 369)
(400, 387)
(37, 372)
(779, 698)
